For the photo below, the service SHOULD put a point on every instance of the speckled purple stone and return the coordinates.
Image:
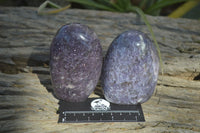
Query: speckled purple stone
(75, 62)
(130, 69)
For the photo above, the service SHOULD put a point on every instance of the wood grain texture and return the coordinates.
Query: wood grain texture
(27, 103)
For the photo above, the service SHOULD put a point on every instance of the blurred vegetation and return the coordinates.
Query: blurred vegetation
(172, 8)
(190, 9)
(152, 7)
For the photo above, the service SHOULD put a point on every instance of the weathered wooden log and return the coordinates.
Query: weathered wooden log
(27, 103)
(25, 37)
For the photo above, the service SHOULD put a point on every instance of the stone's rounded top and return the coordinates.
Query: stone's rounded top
(137, 41)
(135, 35)
(131, 33)
(77, 31)
(76, 36)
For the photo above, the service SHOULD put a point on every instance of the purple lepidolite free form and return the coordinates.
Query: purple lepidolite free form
(75, 62)
(130, 69)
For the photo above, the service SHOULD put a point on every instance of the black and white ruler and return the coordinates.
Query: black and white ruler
(99, 110)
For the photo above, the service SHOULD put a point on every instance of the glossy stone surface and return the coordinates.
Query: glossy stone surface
(75, 62)
(130, 69)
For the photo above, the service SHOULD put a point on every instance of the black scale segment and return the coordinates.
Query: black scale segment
(82, 112)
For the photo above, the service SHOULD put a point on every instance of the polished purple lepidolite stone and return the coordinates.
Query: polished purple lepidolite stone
(130, 69)
(75, 62)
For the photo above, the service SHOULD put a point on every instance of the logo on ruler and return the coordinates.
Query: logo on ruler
(100, 105)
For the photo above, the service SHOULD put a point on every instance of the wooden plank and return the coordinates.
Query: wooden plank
(27, 106)
(26, 37)
(27, 103)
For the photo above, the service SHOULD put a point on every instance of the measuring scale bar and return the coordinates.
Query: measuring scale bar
(99, 110)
